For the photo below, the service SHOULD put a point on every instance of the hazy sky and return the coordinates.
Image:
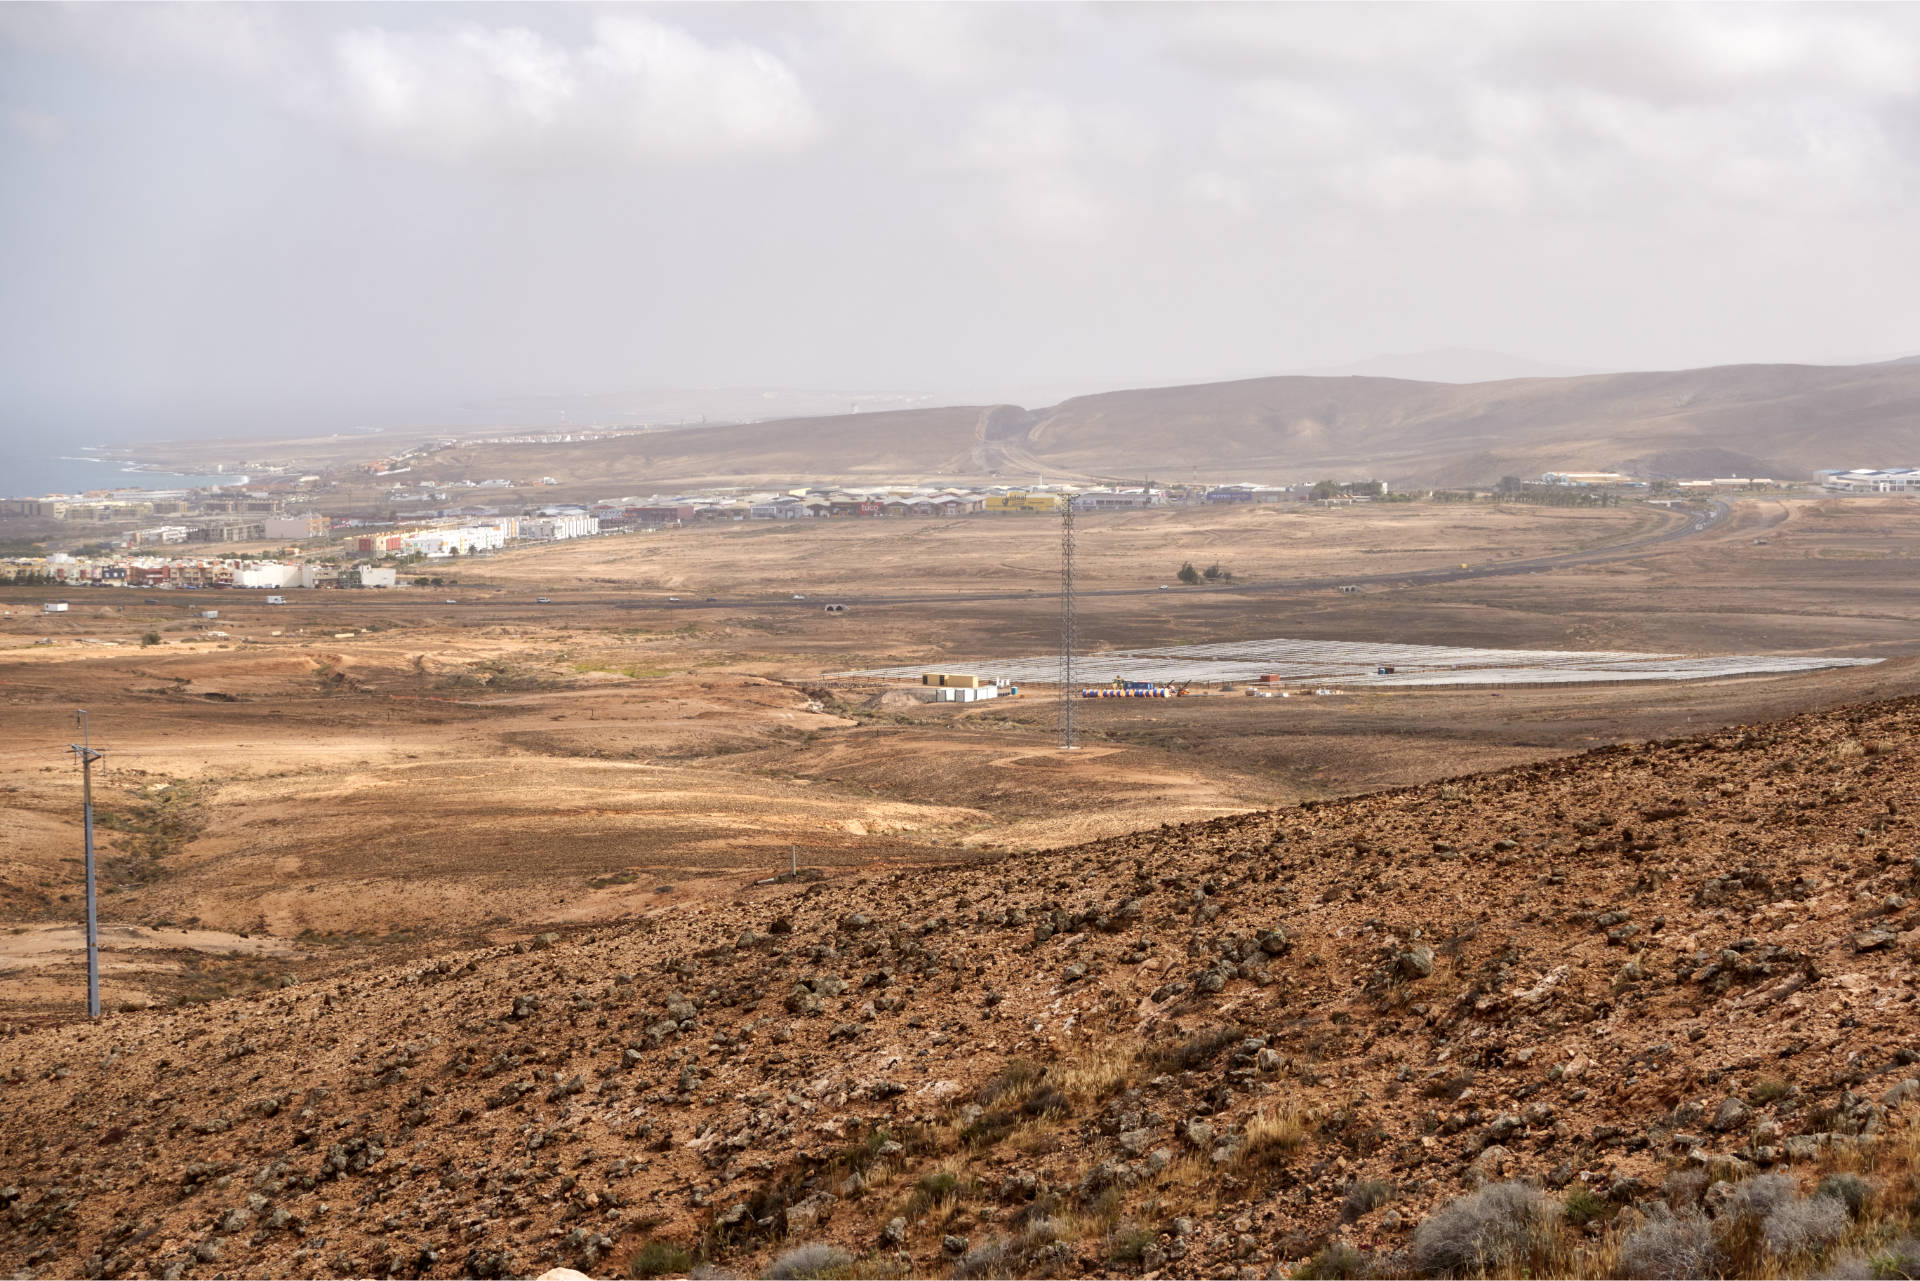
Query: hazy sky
(249, 215)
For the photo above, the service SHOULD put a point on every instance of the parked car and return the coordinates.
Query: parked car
(543, 600)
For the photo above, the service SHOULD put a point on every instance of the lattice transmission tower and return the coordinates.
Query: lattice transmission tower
(1069, 696)
(86, 753)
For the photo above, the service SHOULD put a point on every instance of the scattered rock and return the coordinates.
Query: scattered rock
(806, 1215)
(1732, 1114)
(1415, 963)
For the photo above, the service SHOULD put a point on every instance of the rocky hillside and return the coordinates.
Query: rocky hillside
(1644, 998)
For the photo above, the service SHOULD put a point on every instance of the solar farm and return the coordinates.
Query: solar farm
(1359, 663)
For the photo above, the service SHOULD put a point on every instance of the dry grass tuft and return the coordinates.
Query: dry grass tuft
(1089, 1079)
(1271, 1136)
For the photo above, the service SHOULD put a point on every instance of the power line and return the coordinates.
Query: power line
(87, 755)
(1069, 696)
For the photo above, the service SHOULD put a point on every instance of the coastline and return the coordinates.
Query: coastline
(29, 476)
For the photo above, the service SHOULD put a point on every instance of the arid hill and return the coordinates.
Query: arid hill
(1744, 420)
(1739, 420)
(1646, 998)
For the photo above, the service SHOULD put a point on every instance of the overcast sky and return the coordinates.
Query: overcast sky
(248, 215)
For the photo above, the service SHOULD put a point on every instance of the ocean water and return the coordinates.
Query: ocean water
(28, 473)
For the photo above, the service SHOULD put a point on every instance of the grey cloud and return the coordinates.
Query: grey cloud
(635, 87)
(328, 209)
(468, 87)
(32, 125)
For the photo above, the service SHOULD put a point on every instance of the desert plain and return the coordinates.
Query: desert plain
(355, 770)
(310, 802)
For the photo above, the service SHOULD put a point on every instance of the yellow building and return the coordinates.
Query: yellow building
(1021, 504)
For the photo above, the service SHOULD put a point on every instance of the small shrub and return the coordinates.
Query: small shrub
(992, 1259)
(1129, 1244)
(1338, 1261)
(1899, 1261)
(1805, 1225)
(1770, 1090)
(932, 1187)
(1740, 1215)
(1506, 1227)
(939, 1183)
(1364, 1197)
(808, 1263)
(1670, 1245)
(1582, 1206)
(1013, 1082)
(860, 1155)
(1849, 1190)
(1041, 1210)
(151, 638)
(1684, 1188)
(659, 1259)
(1188, 574)
(1196, 1051)
(1104, 1208)
(989, 1128)
(1758, 1197)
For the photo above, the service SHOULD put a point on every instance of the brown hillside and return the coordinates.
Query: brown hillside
(1638, 977)
(1767, 420)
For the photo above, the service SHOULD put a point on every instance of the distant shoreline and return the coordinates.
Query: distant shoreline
(30, 476)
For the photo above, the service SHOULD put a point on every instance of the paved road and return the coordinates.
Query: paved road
(1694, 523)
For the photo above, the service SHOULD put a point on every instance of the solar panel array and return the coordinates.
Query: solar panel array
(1356, 663)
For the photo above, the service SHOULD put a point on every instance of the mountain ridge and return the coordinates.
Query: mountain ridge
(1779, 421)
